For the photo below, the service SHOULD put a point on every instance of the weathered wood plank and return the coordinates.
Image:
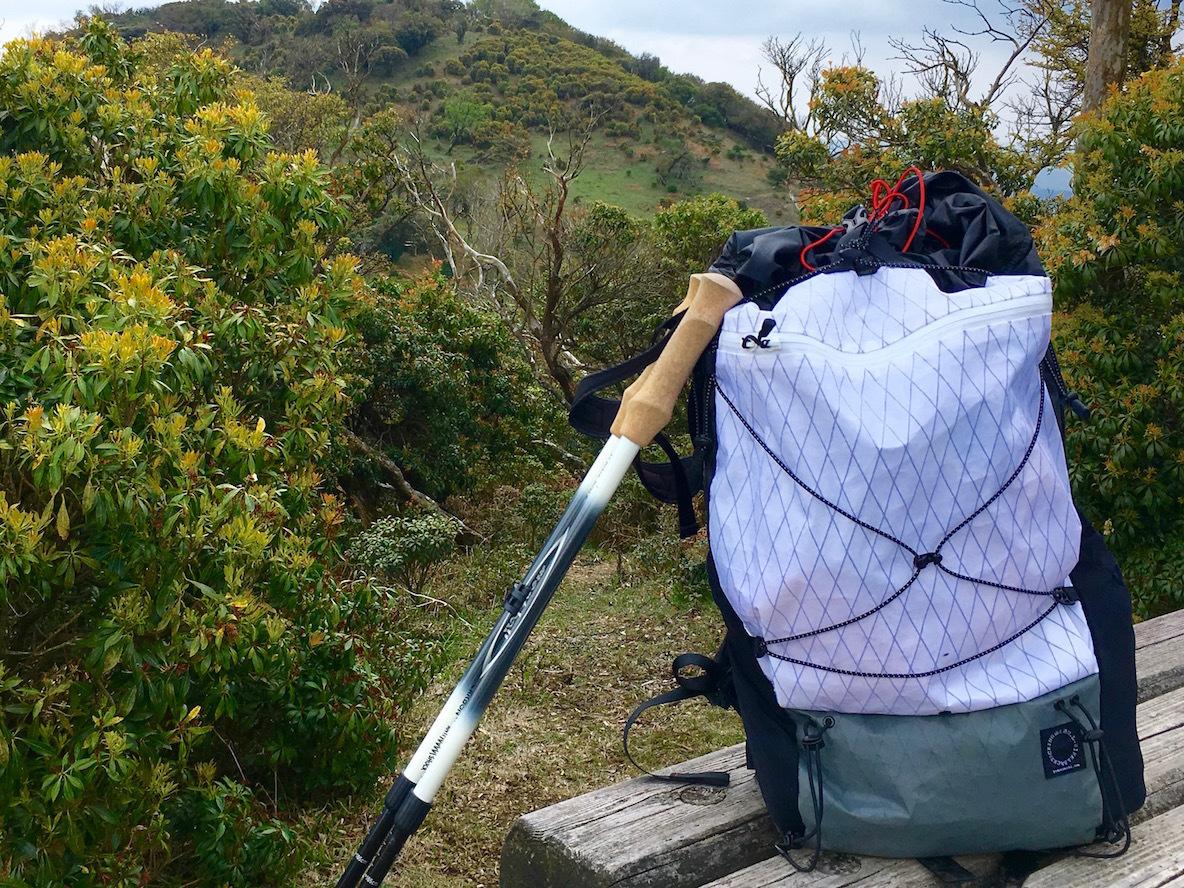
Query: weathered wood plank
(842, 870)
(1159, 654)
(1156, 857)
(644, 834)
(1163, 628)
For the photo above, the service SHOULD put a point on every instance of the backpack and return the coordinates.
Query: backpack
(931, 650)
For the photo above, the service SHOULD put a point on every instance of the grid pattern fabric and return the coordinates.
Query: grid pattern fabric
(908, 408)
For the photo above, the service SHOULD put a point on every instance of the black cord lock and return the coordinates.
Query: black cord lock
(812, 734)
(925, 559)
(1064, 595)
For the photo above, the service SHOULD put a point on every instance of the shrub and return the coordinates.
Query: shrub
(691, 233)
(498, 141)
(406, 550)
(449, 392)
(1116, 250)
(176, 647)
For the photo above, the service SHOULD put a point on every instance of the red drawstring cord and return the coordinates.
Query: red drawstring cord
(883, 198)
(810, 246)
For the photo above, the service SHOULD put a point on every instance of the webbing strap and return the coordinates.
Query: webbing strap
(593, 415)
(947, 870)
(689, 686)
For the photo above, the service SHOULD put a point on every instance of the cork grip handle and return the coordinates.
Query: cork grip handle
(648, 404)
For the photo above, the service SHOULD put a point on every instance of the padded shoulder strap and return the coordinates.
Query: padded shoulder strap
(669, 482)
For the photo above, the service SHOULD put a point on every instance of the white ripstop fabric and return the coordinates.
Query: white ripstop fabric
(908, 408)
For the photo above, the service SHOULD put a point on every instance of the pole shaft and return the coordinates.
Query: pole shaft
(410, 798)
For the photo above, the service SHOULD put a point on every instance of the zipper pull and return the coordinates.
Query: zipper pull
(761, 338)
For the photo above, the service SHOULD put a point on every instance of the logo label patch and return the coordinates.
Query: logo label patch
(1062, 750)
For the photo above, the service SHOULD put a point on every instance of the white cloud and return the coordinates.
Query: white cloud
(21, 18)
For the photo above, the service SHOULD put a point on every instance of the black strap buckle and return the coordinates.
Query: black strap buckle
(1065, 595)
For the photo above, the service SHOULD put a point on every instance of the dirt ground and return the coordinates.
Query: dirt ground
(554, 730)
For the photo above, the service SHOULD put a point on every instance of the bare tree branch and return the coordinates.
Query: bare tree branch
(797, 64)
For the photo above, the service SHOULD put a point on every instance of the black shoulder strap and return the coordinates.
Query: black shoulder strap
(593, 415)
(712, 685)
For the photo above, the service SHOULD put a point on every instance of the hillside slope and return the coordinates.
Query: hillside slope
(489, 80)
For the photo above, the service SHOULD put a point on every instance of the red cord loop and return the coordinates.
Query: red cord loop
(810, 246)
(883, 199)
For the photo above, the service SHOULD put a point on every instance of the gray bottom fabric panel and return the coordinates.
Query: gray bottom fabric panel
(966, 783)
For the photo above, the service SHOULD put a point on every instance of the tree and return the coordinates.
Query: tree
(415, 31)
(301, 119)
(1114, 250)
(524, 249)
(461, 114)
(1062, 49)
(1110, 22)
(372, 186)
(797, 64)
(678, 166)
(357, 50)
(449, 395)
(689, 234)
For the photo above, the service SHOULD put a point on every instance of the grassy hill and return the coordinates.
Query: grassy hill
(488, 81)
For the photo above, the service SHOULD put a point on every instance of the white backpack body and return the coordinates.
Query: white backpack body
(930, 648)
(882, 419)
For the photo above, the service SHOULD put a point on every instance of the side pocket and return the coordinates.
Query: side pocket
(1016, 777)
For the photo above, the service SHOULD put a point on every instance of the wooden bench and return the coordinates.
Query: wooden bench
(644, 833)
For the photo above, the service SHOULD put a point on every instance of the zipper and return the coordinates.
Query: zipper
(973, 318)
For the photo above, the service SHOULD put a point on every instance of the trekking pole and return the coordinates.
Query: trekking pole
(645, 409)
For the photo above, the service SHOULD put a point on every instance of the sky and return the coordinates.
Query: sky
(712, 39)
(722, 40)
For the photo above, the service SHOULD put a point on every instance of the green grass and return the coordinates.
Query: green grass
(610, 175)
(554, 729)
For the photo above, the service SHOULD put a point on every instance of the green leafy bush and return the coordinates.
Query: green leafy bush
(406, 549)
(1116, 252)
(691, 233)
(449, 392)
(177, 657)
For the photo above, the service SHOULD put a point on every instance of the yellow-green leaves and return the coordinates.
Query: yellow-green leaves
(63, 520)
(171, 344)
